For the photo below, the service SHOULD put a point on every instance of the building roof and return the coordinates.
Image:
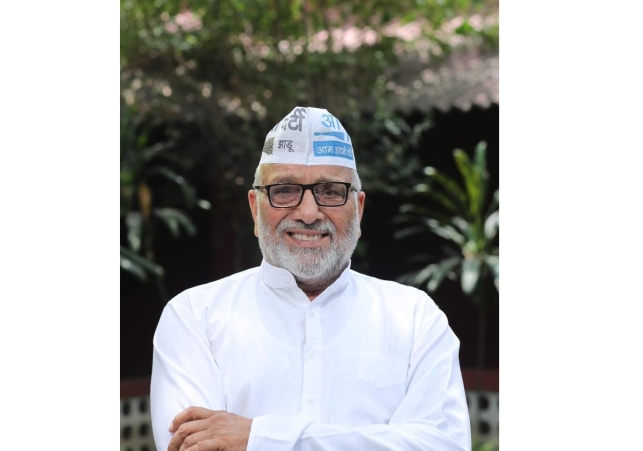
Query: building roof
(461, 80)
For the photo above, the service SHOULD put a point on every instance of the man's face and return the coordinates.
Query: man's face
(314, 243)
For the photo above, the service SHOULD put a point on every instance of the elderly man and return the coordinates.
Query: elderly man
(302, 353)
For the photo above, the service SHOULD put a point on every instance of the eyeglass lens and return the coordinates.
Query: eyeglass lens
(326, 194)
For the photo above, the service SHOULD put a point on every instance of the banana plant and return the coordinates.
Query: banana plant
(467, 218)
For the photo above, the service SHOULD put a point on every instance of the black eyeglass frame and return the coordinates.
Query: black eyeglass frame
(304, 188)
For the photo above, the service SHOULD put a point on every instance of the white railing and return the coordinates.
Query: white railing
(136, 424)
(483, 413)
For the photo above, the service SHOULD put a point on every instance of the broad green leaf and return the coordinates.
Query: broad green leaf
(175, 220)
(493, 261)
(133, 268)
(392, 127)
(472, 181)
(141, 261)
(453, 223)
(446, 201)
(465, 166)
(409, 231)
(186, 223)
(446, 231)
(471, 269)
(405, 218)
(442, 270)
(149, 153)
(480, 167)
(450, 186)
(134, 223)
(491, 225)
(419, 277)
(462, 225)
(495, 202)
(204, 204)
(480, 157)
(169, 174)
(170, 222)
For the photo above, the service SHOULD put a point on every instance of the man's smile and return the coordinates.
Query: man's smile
(306, 238)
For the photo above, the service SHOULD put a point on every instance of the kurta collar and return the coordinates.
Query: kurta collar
(276, 277)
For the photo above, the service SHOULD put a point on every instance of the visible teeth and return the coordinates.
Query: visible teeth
(299, 236)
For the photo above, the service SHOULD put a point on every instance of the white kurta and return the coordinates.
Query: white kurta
(367, 365)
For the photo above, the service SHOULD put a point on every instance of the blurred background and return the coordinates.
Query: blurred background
(416, 86)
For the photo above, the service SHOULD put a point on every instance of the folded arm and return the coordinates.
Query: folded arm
(432, 416)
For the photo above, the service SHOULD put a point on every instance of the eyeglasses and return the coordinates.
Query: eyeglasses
(289, 195)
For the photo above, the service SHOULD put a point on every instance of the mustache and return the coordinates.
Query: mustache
(318, 226)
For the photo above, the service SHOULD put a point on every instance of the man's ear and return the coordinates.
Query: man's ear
(361, 196)
(252, 200)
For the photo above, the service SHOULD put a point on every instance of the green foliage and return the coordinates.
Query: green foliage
(142, 168)
(466, 219)
(485, 445)
(139, 266)
(234, 68)
(390, 159)
(225, 72)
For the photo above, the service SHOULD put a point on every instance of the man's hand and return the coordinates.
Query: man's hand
(201, 429)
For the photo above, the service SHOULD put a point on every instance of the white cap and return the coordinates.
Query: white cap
(309, 136)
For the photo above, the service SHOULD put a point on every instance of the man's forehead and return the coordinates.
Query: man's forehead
(301, 173)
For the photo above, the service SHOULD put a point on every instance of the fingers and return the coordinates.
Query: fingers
(200, 429)
(190, 414)
(201, 440)
(206, 445)
(185, 431)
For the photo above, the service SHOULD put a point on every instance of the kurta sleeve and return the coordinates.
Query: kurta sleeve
(432, 416)
(184, 372)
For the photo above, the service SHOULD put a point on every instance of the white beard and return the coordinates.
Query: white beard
(315, 268)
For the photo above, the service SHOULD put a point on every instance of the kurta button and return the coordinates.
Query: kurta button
(312, 354)
(286, 279)
(310, 400)
(312, 313)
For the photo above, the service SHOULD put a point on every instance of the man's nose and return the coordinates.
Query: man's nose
(308, 210)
